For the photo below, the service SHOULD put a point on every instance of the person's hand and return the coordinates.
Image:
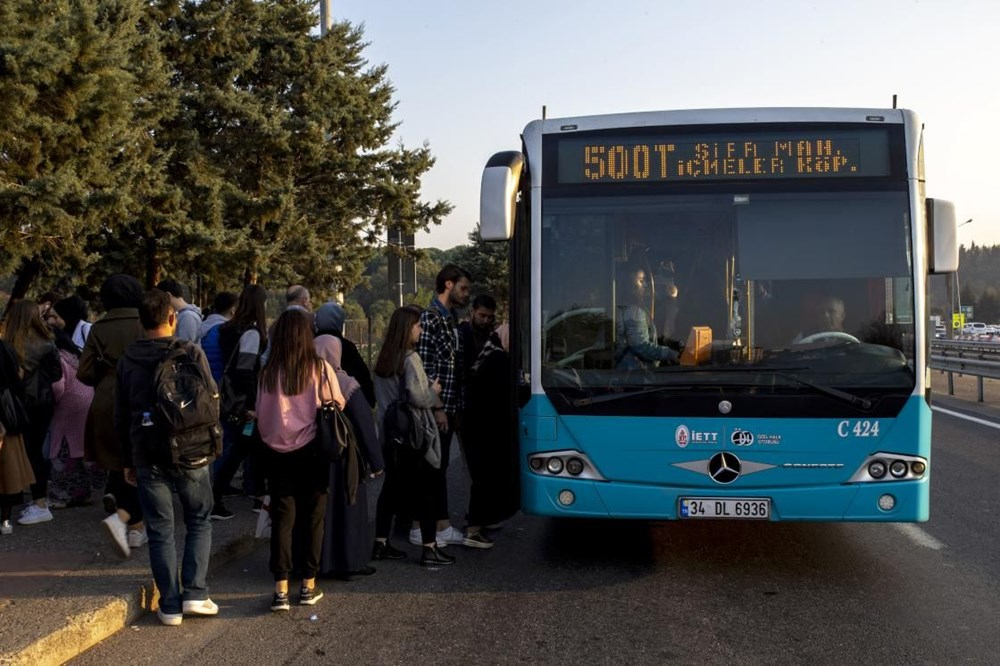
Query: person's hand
(130, 477)
(250, 415)
(441, 419)
(436, 387)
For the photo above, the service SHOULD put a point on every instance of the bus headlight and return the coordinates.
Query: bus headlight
(918, 467)
(566, 497)
(876, 469)
(897, 468)
(887, 502)
(554, 465)
(574, 466)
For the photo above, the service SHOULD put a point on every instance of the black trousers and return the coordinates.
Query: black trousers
(298, 483)
(393, 498)
(439, 486)
(39, 420)
(244, 448)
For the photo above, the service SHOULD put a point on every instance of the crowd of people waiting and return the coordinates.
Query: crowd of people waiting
(75, 425)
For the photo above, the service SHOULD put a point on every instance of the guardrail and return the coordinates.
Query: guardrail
(966, 357)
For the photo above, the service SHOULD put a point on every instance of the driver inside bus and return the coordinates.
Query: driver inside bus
(635, 334)
(820, 314)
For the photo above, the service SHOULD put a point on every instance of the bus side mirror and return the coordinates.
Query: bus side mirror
(498, 195)
(942, 236)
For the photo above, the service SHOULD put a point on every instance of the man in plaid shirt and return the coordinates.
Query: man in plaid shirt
(440, 350)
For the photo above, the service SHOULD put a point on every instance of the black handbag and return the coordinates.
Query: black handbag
(334, 432)
(12, 412)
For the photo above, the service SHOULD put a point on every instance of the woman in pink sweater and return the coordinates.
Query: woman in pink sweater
(293, 384)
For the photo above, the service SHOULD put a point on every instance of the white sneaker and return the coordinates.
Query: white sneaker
(201, 607)
(35, 514)
(137, 538)
(116, 530)
(417, 540)
(169, 619)
(450, 535)
(6, 528)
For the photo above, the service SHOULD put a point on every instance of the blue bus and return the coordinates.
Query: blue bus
(722, 313)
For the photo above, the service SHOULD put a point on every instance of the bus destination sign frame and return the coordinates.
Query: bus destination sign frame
(740, 155)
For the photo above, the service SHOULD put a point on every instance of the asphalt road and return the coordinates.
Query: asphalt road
(597, 592)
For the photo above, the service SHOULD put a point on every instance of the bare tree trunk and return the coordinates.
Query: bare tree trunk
(25, 276)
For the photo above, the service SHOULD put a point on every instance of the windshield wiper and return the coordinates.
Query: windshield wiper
(611, 397)
(849, 398)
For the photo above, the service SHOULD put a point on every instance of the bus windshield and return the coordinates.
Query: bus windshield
(720, 290)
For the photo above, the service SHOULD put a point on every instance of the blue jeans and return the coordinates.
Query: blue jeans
(157, 486)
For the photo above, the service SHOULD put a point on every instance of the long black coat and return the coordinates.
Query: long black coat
(347, 542)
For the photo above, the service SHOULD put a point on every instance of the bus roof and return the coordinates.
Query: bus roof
(719, 117)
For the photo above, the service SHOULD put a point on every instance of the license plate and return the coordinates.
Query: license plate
(742, 508)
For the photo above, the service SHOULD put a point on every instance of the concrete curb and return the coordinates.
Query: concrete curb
(88, 628)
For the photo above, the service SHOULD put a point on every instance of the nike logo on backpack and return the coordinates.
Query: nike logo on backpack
(185, 403)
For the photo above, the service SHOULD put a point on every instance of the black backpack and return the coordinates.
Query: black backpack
(187, 407)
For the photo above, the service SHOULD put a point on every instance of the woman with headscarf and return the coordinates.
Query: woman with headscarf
(491, 451)
(70, 484)
(121, 296)
(346, 541)
(330, 321)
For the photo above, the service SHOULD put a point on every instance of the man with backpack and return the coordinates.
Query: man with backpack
(167, 417)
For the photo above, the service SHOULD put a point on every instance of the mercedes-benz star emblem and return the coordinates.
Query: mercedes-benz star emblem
(724, 467)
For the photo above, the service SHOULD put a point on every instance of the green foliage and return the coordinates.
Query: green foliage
(487, 262)
(84, 91)
(978, 278)
(217, 141)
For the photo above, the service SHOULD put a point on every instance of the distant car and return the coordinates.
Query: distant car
(939, 332)
(974, 328)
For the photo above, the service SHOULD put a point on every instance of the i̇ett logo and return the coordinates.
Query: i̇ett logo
(682, 436)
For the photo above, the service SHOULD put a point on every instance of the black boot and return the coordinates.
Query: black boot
(434, 556)
(385, 551)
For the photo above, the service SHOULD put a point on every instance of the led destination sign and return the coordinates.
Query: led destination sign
(737, 156)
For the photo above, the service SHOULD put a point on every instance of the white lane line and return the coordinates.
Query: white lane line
(918, 536)
(960, 415)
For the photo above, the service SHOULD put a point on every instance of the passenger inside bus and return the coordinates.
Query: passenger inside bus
(636, 343)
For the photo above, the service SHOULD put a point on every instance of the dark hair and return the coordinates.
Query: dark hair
(251, 312)
(48, 297)
(293, 360)
(397, 341)
(155, 309)
(22, 324)
(450, 273)
(121, 291)
(224, 301)
(72, 310)
(484, 301)
(172, 287)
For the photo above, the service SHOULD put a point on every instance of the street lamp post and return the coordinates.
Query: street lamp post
(954, 295)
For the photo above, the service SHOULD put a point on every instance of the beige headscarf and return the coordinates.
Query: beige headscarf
(330, 349)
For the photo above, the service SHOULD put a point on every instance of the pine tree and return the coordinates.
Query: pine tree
(83, 89)
(282, 147)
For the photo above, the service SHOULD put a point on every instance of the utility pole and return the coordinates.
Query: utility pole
(325, 16)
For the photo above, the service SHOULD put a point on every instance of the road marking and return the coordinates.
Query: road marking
(960, 415)
(918, 536)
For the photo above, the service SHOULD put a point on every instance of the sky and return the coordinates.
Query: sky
(469, 75)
